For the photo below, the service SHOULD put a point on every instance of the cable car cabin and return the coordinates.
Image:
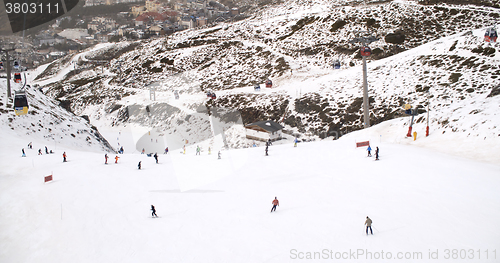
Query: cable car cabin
(336, 64)
(20, 103)
(17, 77)
(256, 87)
(269, 84)
(493, 35)
(365, 51)
(211, 95)
(487, 35)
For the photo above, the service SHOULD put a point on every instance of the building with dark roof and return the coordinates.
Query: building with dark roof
(264, 130)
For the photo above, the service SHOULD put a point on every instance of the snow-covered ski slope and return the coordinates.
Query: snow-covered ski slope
(420, 201)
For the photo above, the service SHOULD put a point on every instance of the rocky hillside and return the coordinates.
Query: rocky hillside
(294, 43)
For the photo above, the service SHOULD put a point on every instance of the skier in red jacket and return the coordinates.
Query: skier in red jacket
(275, 203)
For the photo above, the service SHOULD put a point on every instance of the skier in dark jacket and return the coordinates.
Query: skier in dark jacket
(376, 154)
(46, 150)
(368, 224)
(267, 148)
(156, 157)
(105, 158)
(153, 214)
(24, 154)
(139, 165)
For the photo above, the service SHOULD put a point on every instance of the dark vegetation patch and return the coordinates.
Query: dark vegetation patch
(494, 92)
(397, 37)
(487, 51)
(490, 3)
(338, 25)
(454, 77)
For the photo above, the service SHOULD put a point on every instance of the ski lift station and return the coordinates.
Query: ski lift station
(264, 130)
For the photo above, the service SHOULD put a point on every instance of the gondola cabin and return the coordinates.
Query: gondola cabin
(20, 103)
(336, 64)
(17, 77)
(365, 51)
(487, 35)
(211, 95)
(493, 35)
(269, 84)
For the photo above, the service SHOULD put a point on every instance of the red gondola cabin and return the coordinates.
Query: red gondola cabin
(269, 84)
(17, 77)
(365, 51)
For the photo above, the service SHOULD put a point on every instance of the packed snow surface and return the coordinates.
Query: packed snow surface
(420, 200)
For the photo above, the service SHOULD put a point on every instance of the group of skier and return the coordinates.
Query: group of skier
(369, 149)
(30, 146)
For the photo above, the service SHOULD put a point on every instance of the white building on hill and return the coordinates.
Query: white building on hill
(264, 130)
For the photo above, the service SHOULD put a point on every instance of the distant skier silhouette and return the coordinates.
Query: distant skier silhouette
(153, 214)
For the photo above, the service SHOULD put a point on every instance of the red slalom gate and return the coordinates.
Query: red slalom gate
(48, 178)
(361, 144)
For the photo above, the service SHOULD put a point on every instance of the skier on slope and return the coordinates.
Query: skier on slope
(64, 157)
(153, 214)
(139, 165)
(218, 155)
(39, 151)
(166, 150)
(368, 224)
(198, 149)
(267, 148)
(156, 157)
(376, 153)
(46, 150)
(369, 149)
(275, 203)
(24, 154)
(106, 158)
(295, 142)
(116, 159)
